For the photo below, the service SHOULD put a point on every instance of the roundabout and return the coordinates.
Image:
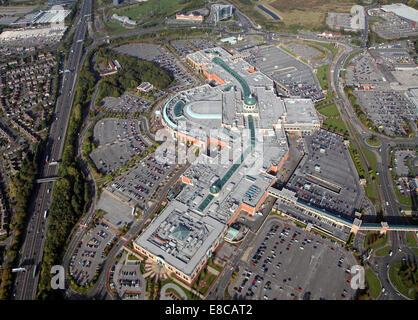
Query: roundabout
(373, 142)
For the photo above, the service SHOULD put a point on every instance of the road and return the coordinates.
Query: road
(361, 132)
(380, 265)
(99, 288)
(389, 202)
(32, 249)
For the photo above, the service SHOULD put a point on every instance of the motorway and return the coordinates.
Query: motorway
(32, 249)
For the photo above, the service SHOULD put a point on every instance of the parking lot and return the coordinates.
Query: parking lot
(309, 53)
(126, 103)
(140, 185)
(401, 158)
(393, 58)
(288, 263)
(117, 213)
(295, 77)
(182, 47)
(126, 278)
(161, 58)
(118, 141)
(326, 177)
(392, 27)
(201, 44)
(90, 253)
(363, 71)
(389, 110)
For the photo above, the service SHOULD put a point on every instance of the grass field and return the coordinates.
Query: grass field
(335, 125)
(376, 243)
(295, 14)
(375, 287)
(403, 277)
(369, 192)
(404, 200)
(329, 111)
(114, 27)
(411, 239)
(156, 10)
(383, 252)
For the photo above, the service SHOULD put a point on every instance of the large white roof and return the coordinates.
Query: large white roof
(402, 10)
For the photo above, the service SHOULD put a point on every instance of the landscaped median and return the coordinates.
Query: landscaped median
(373, 141)
(374, 240)
(383, 252)
(373, 284)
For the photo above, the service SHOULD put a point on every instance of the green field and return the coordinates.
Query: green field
(334, 125)
(383, 252)
(411, 239)
(295, 14)
(114, 27)
(374, 240)
(374, 285)
(154, 11)
(404, 277)
(210, 279)
(404, 200)
(329, 111)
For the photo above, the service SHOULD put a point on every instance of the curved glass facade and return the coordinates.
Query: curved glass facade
(166, 117)
(202, 116)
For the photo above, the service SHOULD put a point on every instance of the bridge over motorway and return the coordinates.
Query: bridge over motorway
(47, 179)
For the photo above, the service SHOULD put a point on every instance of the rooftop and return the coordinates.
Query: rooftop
(181, 237)
(402, 10)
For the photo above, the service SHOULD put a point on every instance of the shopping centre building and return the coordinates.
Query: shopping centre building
(239, 124)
